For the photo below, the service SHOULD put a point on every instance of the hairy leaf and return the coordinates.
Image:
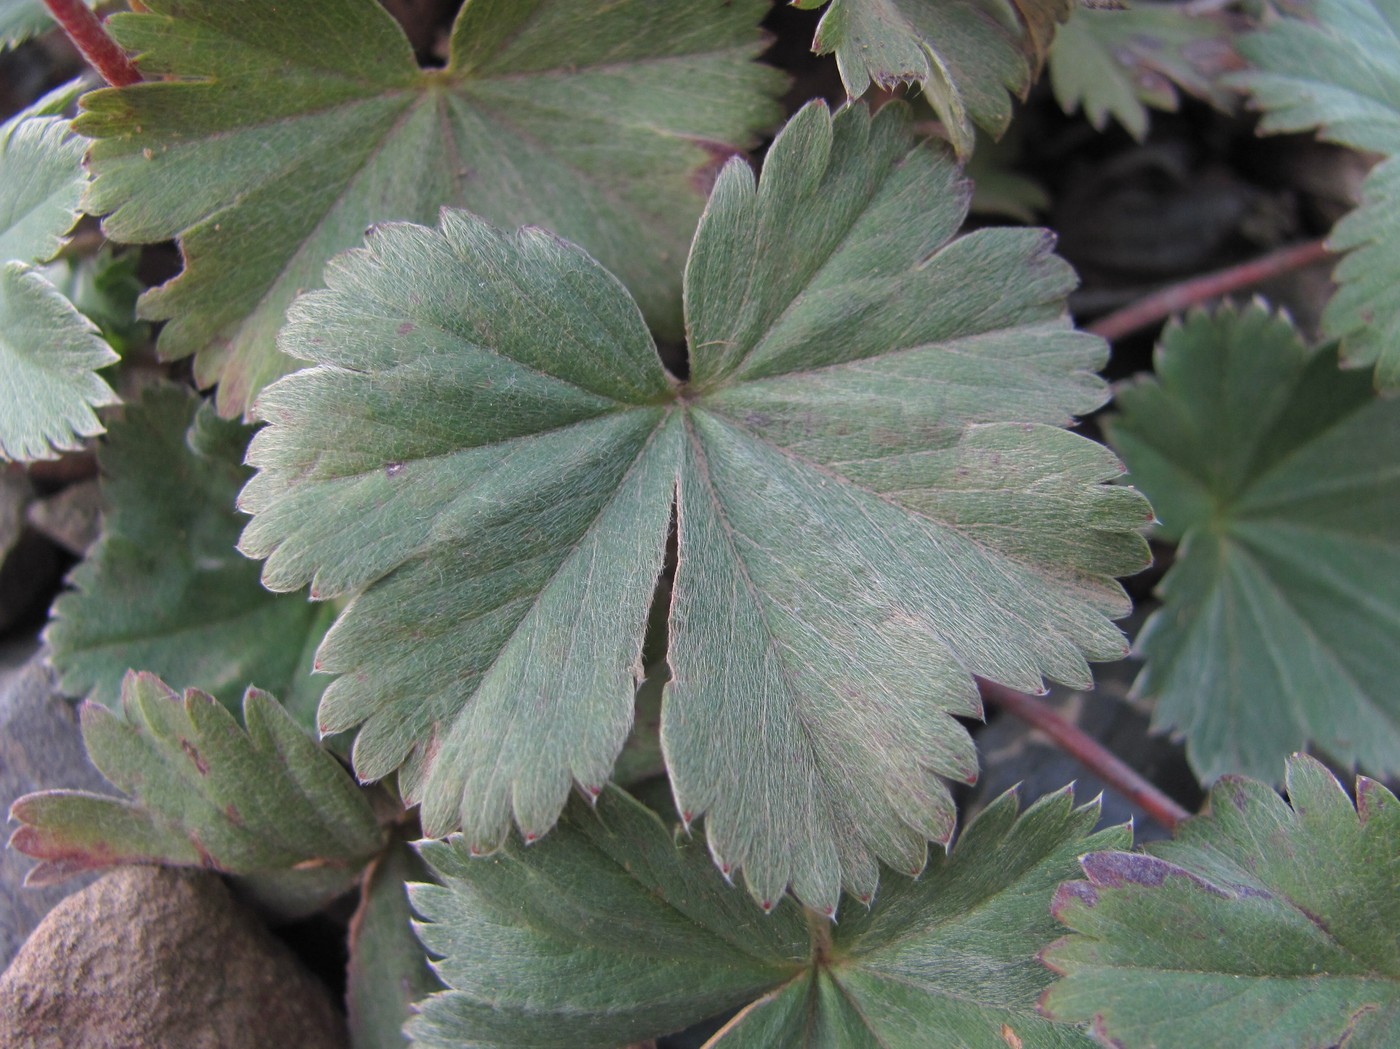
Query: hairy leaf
(1362, 312)
(1341, 75)
(874, 497)
(271, 134)
(41, 179)
(611, 930)
(49, 353)
(49, 356)
(1118, 63)
(204, 792)
(1263, 926)
(164, 589)
(1276, 472)
(965, 55)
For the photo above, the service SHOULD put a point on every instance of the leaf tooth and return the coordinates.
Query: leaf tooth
(726, 869)
(860, 875)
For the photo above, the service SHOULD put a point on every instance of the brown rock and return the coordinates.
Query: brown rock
(152, 958)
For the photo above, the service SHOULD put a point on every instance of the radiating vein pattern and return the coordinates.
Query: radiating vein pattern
(268, 136)
(1277, 473)
(874, 499)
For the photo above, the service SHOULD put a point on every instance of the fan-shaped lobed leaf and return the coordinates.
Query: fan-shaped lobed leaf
(611, 931)
(1276, 471)
(204, 792)
(270, 135)
(49, 353)
(1341, 74)
(1263, 926)
(967, 56)
(164, 588)
(873, 495)
(1119, 62)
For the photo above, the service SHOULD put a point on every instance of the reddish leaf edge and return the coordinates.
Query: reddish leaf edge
(1117, 869)
(59, 859)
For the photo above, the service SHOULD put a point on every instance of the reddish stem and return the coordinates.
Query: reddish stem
(90, 37)
(1086, 750)
(1162, 304)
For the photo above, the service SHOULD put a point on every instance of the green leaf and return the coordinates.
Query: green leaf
(41, 179)
(1362, 311)
(270, 135)
(1276, 472)
(388, 970)
(1118, 63)
(49, 356)
(204, 792)
(611, 931)
(21, 19)
(1341, 75)
(49, 353)
(875, 502)
(1263, 926)
(165, 589)
(104, 287)
(965, 55)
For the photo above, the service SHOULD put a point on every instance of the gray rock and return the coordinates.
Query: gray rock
(151, 957)
(72, 518)
(40, 749)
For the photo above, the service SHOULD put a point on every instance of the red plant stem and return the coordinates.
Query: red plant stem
(1162, 304)
(90, 37)
(1086, 750)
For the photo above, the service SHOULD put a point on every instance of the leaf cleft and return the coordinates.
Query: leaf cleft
(873, 494)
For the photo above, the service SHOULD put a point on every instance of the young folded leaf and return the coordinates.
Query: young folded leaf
(874, 499)
(204, 792)
(1263, 926)
(164, 589)
(388, 970)
(964, 56)
(1276, 472)
(1341, 75)
(613, 930)
(49, 352)
(601, 121)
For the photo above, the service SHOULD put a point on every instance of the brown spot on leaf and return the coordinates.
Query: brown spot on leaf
(205, 859)
(393, 469)
(1010, 1037)
(232, 814)
(702, 179)
(61, 860)
(194, 756)
(1101, 1033)
(405, 327)
(1070, 892)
